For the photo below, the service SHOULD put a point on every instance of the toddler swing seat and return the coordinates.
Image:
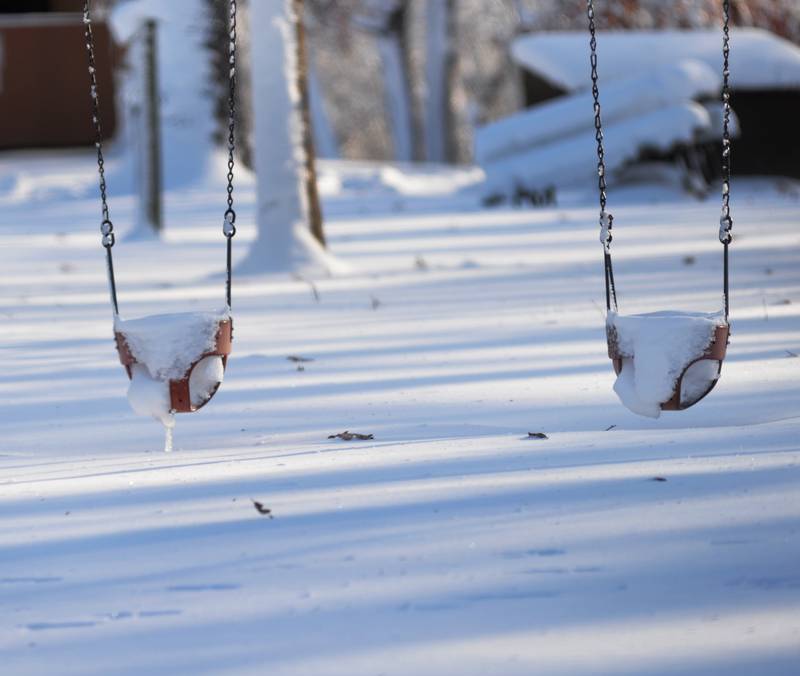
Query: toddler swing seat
(188, 351)
(691, 365)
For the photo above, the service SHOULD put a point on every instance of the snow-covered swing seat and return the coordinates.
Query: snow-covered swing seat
(665, 361)
(188, 351)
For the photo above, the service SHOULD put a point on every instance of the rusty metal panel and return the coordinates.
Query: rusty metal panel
(44, 83)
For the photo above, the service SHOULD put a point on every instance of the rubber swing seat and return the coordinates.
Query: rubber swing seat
(179, 390)
(715, 351)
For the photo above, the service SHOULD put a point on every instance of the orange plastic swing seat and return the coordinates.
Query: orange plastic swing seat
(180, 394)
(715, 351)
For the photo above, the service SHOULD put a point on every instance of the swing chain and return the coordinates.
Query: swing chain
(725, 221)
(229, 218)
(606, 220)
(106, 226)
(229, 229)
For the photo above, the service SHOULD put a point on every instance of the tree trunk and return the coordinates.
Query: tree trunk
(396, 79)
(310, 178)
(325, 142)
(440, 145)
(286, 186)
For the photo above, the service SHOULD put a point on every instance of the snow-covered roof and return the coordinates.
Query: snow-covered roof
(759, 59)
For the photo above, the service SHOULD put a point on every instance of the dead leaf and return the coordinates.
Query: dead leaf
(261, 509)
(349, 436)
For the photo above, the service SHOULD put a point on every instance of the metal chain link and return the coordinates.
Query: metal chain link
(106, 226)
(229, 220)
(598, 124)
(108, 237)
(606, 219)
(726, 223)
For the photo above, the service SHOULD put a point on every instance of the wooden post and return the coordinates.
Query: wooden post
(152, 105)
(310, 178)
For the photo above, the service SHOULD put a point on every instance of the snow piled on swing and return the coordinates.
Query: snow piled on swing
(662, 345)
(165, 347)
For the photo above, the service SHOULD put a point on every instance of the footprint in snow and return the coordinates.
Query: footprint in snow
(766, 583)
(547, 551)
(106, 617)
(158, 613)
(202, 587)
(562, 571)
(512, 595)
(44, 626)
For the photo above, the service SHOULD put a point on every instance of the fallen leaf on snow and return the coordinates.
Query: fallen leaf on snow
(266, 511)
(349, 436)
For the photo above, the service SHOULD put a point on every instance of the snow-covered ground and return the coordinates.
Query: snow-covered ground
(451, 543)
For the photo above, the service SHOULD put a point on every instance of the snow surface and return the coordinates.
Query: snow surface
(451, 543)
(168, 344)
(565, 116)
(658, 347)
(758, 60)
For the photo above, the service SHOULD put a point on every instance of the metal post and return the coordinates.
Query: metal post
(152, 105)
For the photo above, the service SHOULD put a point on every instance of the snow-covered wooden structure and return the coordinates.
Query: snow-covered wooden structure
(660, 102)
